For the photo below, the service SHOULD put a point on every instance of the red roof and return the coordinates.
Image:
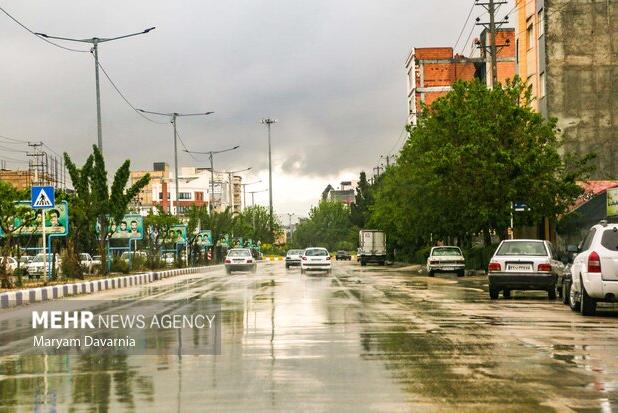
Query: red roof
(592, 189)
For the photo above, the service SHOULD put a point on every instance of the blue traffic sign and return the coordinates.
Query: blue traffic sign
(520, 207)
(42, 197)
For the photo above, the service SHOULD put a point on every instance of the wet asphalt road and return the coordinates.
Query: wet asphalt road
(361, 339)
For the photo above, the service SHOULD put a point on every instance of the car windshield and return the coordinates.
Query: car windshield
(446, 251)
(534, 248)
(316, 252)
(84, 257)
(610, 239)
(294, 252)
(239, 253)
(39, 258)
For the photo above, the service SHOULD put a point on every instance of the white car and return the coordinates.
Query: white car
(133, 254)
(11, 264)
(446, 259)
(86, 261)
(315, 259)
(292, 258)
(38, 267)
(168, 258)
(524, 264)
(595, 269)
(240, 259)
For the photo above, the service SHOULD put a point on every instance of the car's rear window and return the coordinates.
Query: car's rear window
(239, 253)
(316, 253)
(610, 239)
(446, 251)
(294, 252)
(522, 248)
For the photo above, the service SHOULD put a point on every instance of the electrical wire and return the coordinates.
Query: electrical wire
(14, 140)
(39, 37)
(185, 146)
(7, 149)
(464, 25)
(125, 98)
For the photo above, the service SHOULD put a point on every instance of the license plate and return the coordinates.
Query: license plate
(519, 267)
(238, 260)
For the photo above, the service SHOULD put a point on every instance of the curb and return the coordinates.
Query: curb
(34, 295)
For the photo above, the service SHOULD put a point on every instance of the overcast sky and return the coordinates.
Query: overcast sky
(331, 72)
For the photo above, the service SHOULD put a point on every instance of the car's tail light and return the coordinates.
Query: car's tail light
(304, 258)
(594, 262)
(494, 266)
(328, 258)
(545, 267)
(228, 261)
(249, 261)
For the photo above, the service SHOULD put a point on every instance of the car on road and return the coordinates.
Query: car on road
(168, 259)
(342, 255)
(240, 259)
(595, 269)
(446, 259)
(11, 264)
(292, 258)
(315, 259)
(524, 264)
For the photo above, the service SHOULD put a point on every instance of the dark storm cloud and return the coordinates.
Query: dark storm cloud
(330, 71)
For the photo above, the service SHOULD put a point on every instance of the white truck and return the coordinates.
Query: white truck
(372, 246)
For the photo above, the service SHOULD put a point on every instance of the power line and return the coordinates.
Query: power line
(38, 37)
(13, 139)
(464, 26)
(124, 97)
(185, 147)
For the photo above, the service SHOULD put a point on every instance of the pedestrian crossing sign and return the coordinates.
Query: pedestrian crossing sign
(42, 197)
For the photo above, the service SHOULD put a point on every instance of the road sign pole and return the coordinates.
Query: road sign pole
(45, 278)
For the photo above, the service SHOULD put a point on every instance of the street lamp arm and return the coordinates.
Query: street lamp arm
(212, 152)
(125, 36)
(154, 113)
(47, 36)
(195, 114)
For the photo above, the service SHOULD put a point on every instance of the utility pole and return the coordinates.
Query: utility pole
(492, 6)
(95, 51)
(173, 116)
(268, 122)
(212, 171)
(244, 192)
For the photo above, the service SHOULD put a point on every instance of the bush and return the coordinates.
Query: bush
(120, 265)
(421, 255)
(477, 258)
(70, 267)
(138, 263)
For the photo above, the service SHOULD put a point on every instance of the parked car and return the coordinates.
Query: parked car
(86, 261)
(342, 255)
(11, 264)
(240, 259)
(317, 259)
(168, 258)
(595, 269)
(40, 264)
(292, 258)
(446, 259)
(96, 260)
(133, 254)
(524, 264)
(563, 284)
(24, 260)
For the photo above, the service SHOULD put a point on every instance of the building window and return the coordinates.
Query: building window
(517, 51)
(530, 36)
(199, 196)
(542, 84)
(541, 23)
(184, 195)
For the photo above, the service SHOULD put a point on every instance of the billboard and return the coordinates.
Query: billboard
(176, 233)
(204, 238)
(131, 226)
(612, 202)
(56, 221)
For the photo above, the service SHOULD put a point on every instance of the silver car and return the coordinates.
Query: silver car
(524, 264)
(446, 259)
(292, 258)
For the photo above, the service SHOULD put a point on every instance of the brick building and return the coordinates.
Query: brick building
(431, 71)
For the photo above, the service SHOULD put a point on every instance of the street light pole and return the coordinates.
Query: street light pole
(95, 51)
(173, 117)
(244, 191)
(268, 122)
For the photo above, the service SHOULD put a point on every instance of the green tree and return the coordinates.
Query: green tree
(474, 152)
(13, 217)
(328, 226)
(107, 204)
(253, 223)
(360, 210)
(156, 225)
